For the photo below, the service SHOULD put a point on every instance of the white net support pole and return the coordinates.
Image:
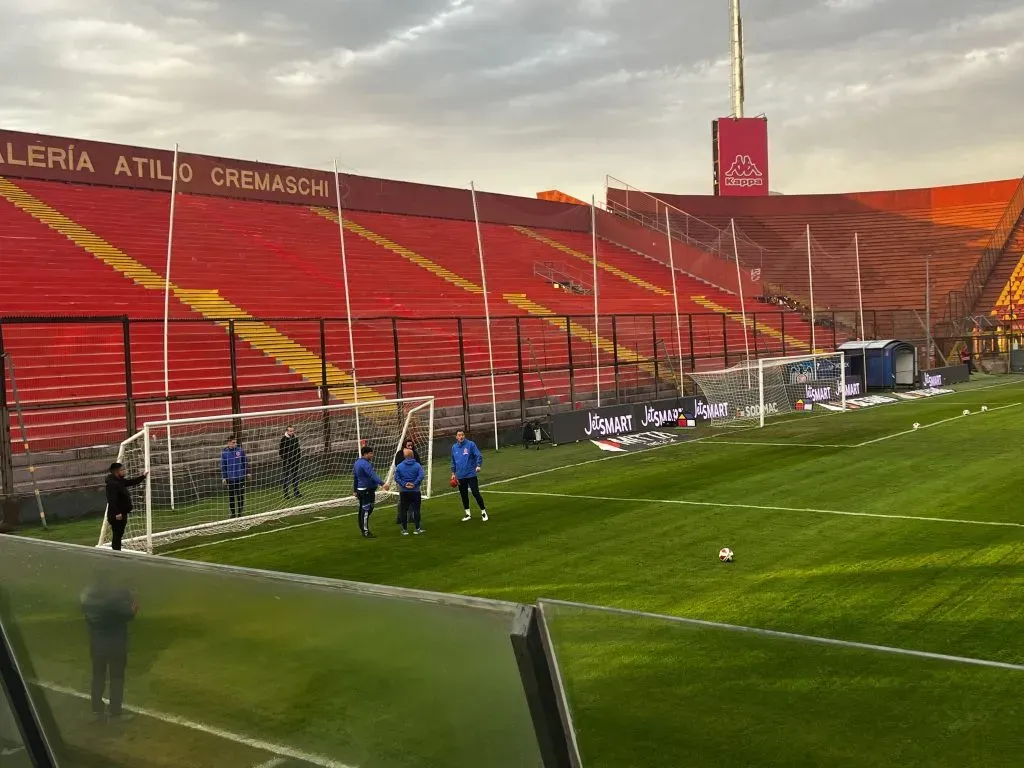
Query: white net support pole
(739, 285)
(810, 285)
(167, 306)
(597, 327)
(675, 299)
(860, 306)
(348, 301)
(283, 463)
(147, 463)
(487, 312)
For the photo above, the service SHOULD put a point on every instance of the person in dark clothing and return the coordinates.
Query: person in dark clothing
(408, 477)
(290, 452)
(365, 482)
(108, 610)
(119, 501)
(965, 359)
(400, 456)
(234, 471)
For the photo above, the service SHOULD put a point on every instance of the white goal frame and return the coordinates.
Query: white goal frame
(755, 372)
(150, 538)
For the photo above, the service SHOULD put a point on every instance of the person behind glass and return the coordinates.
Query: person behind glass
(108, 609)
(408, 477)
(234, 471)
(119, 501)
(365, 482)
(290, 452)
(410, 445)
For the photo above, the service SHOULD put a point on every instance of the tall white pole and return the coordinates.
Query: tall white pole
(487, 312)
(810, 283)
(675, 299)
(928, 308)
(739, 285)
(348, 302)
(597, 346)
(167, 324)
(860, 304)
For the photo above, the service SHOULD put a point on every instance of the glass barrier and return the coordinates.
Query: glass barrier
(12, 748)
(224, 667)
(651, 691)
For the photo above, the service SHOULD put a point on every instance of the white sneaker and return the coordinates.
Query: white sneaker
(483, 516)
(467, 517)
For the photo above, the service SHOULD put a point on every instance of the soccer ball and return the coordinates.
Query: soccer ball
(966, 412)
(454, 483)
(984, 408)
(917, 425)
(725, 555)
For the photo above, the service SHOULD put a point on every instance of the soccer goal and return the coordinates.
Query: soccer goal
(198, 484)
(752, 391)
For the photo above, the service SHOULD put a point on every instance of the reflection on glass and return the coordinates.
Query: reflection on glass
(648, 691)
(231, 668)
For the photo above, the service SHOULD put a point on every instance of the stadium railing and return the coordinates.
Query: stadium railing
(92, 381)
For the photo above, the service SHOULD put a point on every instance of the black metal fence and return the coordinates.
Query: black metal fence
(91, 381)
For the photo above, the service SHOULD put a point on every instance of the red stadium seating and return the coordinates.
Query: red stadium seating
(282, 264)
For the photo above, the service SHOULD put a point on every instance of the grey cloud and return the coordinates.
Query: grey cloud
(529, 94)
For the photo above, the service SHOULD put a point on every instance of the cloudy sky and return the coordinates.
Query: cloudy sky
(524, 95)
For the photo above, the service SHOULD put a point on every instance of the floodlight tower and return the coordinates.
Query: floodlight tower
(736, 32)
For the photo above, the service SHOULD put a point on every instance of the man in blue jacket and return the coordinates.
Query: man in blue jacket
(234, 471)
(408, 477)
(466, 463)
(365, 483)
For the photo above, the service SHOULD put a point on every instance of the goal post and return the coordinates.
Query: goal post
(755, 390)
(200, 484)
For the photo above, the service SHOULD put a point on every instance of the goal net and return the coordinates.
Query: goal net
(280, 463)
(749, 393)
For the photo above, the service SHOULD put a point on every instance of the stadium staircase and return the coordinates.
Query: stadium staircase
(1003, 289)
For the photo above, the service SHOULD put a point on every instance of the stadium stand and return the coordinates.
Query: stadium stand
(898, 231)
(244, 260)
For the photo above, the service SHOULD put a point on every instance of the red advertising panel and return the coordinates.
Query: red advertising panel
(741, 157)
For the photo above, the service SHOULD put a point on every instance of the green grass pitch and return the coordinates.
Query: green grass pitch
(851, 526)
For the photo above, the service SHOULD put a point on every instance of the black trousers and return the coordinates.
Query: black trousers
(236, 497)
(366, 501)
(409, 503)
(117, 531)
(470, 484)
(103, 661)
(290, 473)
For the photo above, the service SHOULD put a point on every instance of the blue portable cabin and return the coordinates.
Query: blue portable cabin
(889, 363)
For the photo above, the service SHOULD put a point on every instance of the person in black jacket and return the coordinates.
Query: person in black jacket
(119, 501)
(400, 456)
(290, 452)
(108, 609)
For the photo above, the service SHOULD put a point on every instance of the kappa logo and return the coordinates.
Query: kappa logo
(744, 173)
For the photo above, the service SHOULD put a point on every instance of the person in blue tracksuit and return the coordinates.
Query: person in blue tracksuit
(408, 477)
(365, 483)
(234, 471)
(466, 464)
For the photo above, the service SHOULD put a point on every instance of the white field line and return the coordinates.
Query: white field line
(273, 762)
(779, 445)
(763, 507)
(791, 636)
(934, 424)
(707, 439)
(257, 744)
